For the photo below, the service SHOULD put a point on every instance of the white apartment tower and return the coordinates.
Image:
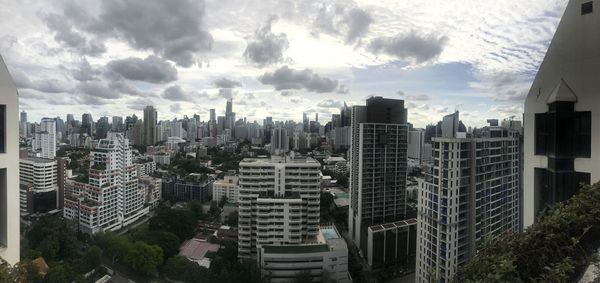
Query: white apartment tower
(9, 167)
(112, 198)
(42, 175)
(562, 114)
(470, 192)
(278, 203)
(44, 140)
(378, 167)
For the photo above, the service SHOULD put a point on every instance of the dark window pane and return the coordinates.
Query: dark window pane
(587, 8)
(541, 134)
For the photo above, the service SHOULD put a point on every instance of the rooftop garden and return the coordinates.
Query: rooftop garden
(558, 248)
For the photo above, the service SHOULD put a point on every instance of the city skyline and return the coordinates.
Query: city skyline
(469, 56)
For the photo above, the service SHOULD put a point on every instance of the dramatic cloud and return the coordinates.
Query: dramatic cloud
(171, 29)
(266, 47)
(152, 69)
(70, 38)
(175, 93)
(285, 78)
(22, 81)
(227, 83)
(410, 46)
(85, 72)
(352, 23)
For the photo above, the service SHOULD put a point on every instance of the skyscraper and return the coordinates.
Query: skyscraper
(9, 168)
(562, 109)
(23, 117)
(280, 141)
(150, 117)
(87, 124)
(378, 158)
(305, 122)
(470, 193)
(117, 124)
(213, 115)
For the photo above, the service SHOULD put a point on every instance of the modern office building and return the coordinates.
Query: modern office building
(278, 202)
(41, 176)
(378, 158)
(562, 114)
(228, 187)
(325, 259)
(150, 119)
(111, 198)
(416, 145)
(9, 168)
(469, 193)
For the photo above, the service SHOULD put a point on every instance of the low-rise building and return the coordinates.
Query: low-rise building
(326, 257)
(152, 187)
(228, 187)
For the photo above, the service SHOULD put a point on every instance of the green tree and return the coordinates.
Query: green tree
(92, 259)
(232, 219)
(144, 258)
(181, 269)
(53, 238)
(113, 245)
(179, 222)
(554, 249)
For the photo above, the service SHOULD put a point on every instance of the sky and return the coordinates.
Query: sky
(276, 58)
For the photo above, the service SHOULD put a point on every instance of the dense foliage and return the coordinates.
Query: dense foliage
(555, 249)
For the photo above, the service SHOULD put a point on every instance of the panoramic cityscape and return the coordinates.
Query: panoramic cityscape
(299, 141)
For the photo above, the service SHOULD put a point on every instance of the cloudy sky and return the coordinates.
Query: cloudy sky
(275, 57)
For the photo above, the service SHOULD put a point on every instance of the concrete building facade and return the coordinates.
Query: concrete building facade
(278, 202)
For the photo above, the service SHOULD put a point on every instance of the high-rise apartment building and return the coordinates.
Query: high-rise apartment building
(278, 203)
(117, 124)
(469, 193)
(9, 167)
(44, 141)
(150, 118)
(378, 158)
(562, 114)
(41, 175)
(112, 198)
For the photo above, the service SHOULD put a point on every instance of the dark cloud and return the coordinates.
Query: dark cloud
(351, 23)
(285, 78)
(330, 103)
(171, 29)
(266, 47)
(227, 83)
(410, 46)
(153, 69)
(287, 93)
(22, 81)
(68, 36)
(175, 93)
(226, 93)
(97, 90)
(85, 72)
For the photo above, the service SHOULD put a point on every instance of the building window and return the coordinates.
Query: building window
(541, 133)
(587, 8)
(3, 208)
(2, 128)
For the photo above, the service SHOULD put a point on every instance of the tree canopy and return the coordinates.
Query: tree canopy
(555, 249)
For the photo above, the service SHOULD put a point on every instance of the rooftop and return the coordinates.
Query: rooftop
(296, 249)
(279, 159)
(38, 160)
(197, 249)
